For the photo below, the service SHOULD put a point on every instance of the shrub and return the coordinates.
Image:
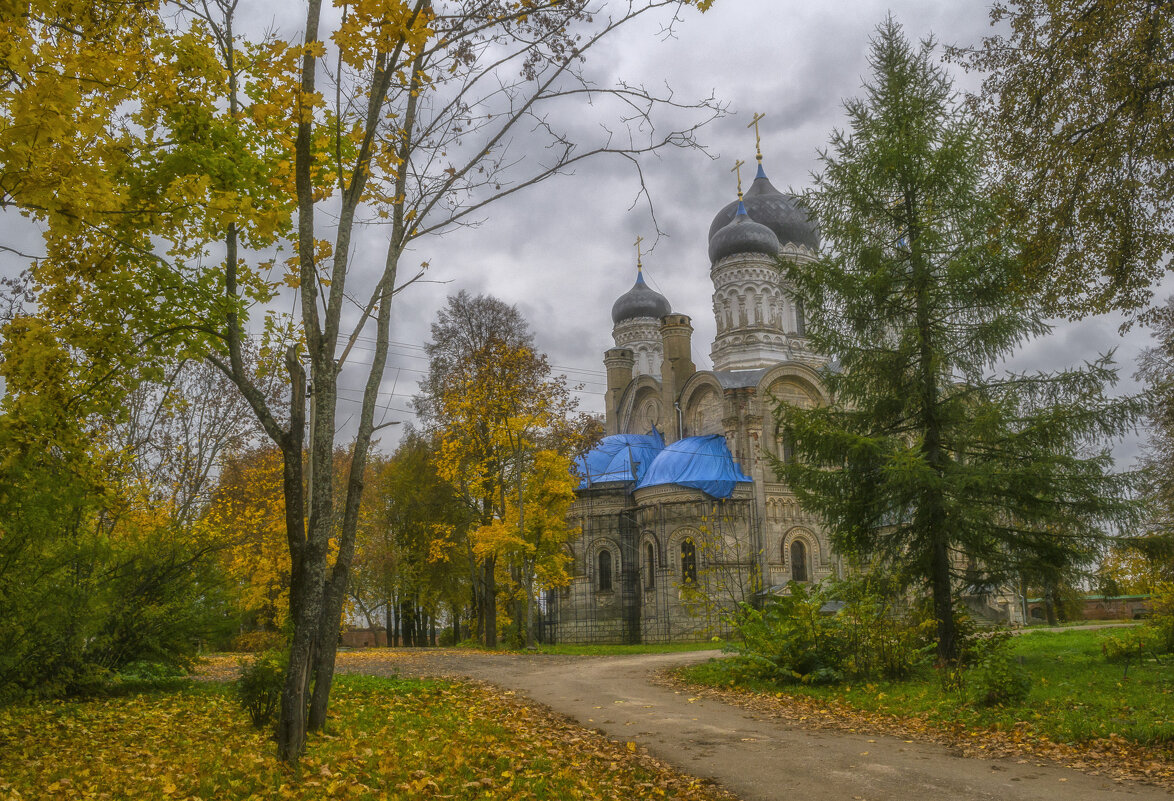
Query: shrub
(1127, 646)
(998, 679)
(1161, 620)
(255, 642)
(801, 637)
(259, 687)
(882, 638)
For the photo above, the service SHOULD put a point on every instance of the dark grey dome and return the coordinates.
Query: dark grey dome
(743, 235)
(639, 301)
(779, 212)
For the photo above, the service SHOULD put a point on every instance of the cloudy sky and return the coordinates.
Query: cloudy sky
(563, 250)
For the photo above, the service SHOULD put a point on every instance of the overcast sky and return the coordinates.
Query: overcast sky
(563, 251)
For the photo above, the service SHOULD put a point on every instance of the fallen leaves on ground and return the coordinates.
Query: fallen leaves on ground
(374, 661)
(388, 739)
(1113, 756)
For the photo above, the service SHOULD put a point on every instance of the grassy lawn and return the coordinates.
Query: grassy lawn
(1076, 695)
(389, 738)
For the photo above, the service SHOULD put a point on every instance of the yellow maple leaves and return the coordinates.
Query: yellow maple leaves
(247, 516)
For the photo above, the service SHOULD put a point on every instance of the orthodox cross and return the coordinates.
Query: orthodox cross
(738, 169)
(757, 139)
(639, 264)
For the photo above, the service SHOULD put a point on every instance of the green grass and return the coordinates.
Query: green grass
(388, 738)
(1076, 695)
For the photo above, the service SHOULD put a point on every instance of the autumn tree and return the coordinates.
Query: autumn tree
(409, 552)
(1079, 98)
(492, 402)
(247, 519)
(925, 461)
(1145, 557)
(204, 149)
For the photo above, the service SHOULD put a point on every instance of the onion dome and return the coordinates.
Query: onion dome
(779, 212)
(742, 235)
(639, 301)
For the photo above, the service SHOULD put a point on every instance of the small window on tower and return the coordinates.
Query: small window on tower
(649, 567)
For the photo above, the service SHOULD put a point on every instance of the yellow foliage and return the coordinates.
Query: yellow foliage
(247, 516)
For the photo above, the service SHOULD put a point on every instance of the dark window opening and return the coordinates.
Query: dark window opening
(688, 562)
(649, 567)
(798, 561)
(604, 570)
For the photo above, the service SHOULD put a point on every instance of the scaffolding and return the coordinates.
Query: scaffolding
(647, 601)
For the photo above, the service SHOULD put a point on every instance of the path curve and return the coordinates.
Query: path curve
(757, 757)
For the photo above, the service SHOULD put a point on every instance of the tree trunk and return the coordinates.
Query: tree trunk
(490, 602)
(387, 624)
(1050, 604)
(531, 611)
(408, 613)
(931, 516)
(943, 605)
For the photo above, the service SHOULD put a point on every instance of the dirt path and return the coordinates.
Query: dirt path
(756, 757)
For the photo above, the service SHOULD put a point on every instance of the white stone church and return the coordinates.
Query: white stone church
(681, 513)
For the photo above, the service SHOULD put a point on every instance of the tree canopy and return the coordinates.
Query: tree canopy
(1079, 97)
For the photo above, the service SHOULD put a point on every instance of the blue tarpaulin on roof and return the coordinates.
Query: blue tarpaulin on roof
(620, 457)
(703, 463)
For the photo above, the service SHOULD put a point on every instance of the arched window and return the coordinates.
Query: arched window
(649, 567)
(798, 561)
(604, 570)
(688, 562)
(787, 446)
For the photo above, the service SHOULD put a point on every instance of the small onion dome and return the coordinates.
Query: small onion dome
(639, 301)
(779, 212)
(742, 235)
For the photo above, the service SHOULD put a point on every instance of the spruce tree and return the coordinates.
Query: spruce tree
(928, 460)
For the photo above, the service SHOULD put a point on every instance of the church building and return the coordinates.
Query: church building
(681, 515)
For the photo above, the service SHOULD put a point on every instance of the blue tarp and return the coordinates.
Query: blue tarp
(703, 463)
(614, 457)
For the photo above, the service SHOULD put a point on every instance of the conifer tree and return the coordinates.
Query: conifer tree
(926, 460)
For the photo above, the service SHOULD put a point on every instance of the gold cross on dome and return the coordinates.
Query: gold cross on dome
(757, 139)
(738, 169)
(639, 264)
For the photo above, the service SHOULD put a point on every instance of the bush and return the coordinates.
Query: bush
(255, 642)
(1127, 646)
(998, 679)
(1161, 620)
(801, 637)
(259, 687)
(788, 641)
